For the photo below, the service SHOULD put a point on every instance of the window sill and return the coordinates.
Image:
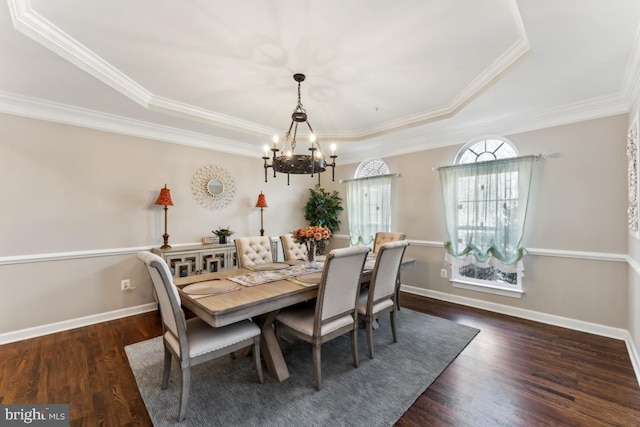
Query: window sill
(496, 290)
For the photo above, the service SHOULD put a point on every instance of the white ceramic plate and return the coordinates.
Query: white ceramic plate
(310, 278)
(210, 287)
(273, 266)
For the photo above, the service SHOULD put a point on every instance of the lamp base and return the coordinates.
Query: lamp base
(166, 245)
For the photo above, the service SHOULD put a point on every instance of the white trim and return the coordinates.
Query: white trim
(550, 319)
(487, 289)
(633, 355)
(79, 322)
(24, 106)
(594, 256)
(38, 28)
(634, 265)
(93, 253)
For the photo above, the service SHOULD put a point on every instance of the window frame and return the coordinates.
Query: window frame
(458, 280)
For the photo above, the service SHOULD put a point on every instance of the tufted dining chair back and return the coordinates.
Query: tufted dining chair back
(253, 251)
(383, 237)
(292, 250)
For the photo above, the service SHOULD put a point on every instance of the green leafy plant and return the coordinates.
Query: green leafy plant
(223, 232)
(323, 208)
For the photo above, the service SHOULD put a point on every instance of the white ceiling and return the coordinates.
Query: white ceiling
(395, 76)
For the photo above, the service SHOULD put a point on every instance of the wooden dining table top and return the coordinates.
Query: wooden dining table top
(246, 297)
(248, 301)
(260, 303)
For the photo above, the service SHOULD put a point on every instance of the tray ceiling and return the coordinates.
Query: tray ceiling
(414, 72)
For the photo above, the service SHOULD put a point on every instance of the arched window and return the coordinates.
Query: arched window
(486, 195)
(369, 168)
(486, 148)
(370, 201)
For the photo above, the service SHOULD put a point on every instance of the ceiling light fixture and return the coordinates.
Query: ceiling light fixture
(302, 164)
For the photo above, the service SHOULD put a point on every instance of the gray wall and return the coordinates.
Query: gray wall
(70, 190)
(578, 204)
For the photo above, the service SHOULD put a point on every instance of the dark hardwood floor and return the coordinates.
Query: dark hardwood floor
(514, 373)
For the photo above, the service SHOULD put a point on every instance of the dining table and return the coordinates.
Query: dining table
(257, 293)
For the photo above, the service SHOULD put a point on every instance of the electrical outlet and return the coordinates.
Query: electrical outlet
(125, 285)
(444, 273)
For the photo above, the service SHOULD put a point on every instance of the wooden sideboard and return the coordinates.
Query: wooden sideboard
(196, 259)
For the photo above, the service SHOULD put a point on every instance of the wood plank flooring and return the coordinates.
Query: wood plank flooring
(514, 373)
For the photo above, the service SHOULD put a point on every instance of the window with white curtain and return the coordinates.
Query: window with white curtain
(370, 201)
(485, 197)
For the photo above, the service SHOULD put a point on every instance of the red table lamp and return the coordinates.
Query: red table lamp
(164, 198)
(261, 203)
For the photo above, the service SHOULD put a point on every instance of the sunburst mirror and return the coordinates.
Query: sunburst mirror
(213, 187)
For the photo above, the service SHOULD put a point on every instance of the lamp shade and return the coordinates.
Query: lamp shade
(262, 202)
(164, 198)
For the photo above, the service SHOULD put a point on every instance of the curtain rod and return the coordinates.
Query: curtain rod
(342, 181)
(536, 157)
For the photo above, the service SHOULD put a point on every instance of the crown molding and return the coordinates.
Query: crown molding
(544, 118)
(36, 27)
(60, 113)
(167, 105)
(44, 32)
(483, 80)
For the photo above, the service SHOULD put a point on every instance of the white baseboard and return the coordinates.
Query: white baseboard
(550, 319)
(65, 325)
(633, 355)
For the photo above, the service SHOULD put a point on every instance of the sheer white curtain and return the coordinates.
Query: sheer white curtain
(370, 203)
(485, 211)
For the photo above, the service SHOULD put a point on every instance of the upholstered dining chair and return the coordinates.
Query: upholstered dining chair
(379, 298)
(334, 312)
(253, 251)
(383, 237)
(292, 250)
(193, 341)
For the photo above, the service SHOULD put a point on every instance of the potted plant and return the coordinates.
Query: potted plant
(323, 209)
(222, 234)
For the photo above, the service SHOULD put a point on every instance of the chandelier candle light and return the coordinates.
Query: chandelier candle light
(261, 203)
(164, 198)
(302, 164)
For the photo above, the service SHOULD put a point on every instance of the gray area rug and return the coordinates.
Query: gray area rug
(226, 392)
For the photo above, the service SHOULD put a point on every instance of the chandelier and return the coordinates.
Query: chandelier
(302, 164)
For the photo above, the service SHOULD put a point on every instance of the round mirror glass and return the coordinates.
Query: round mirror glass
(215, 187)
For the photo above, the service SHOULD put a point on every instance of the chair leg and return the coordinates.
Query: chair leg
(369, 326)
(184, 392)
(257, 359)
(354, 345)
(317, 374)
(393, 325)
(167, 368)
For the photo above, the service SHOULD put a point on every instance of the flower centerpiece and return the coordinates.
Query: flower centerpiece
(311, 236)
(222, 234)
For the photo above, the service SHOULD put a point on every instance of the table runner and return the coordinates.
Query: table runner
(261, 277)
